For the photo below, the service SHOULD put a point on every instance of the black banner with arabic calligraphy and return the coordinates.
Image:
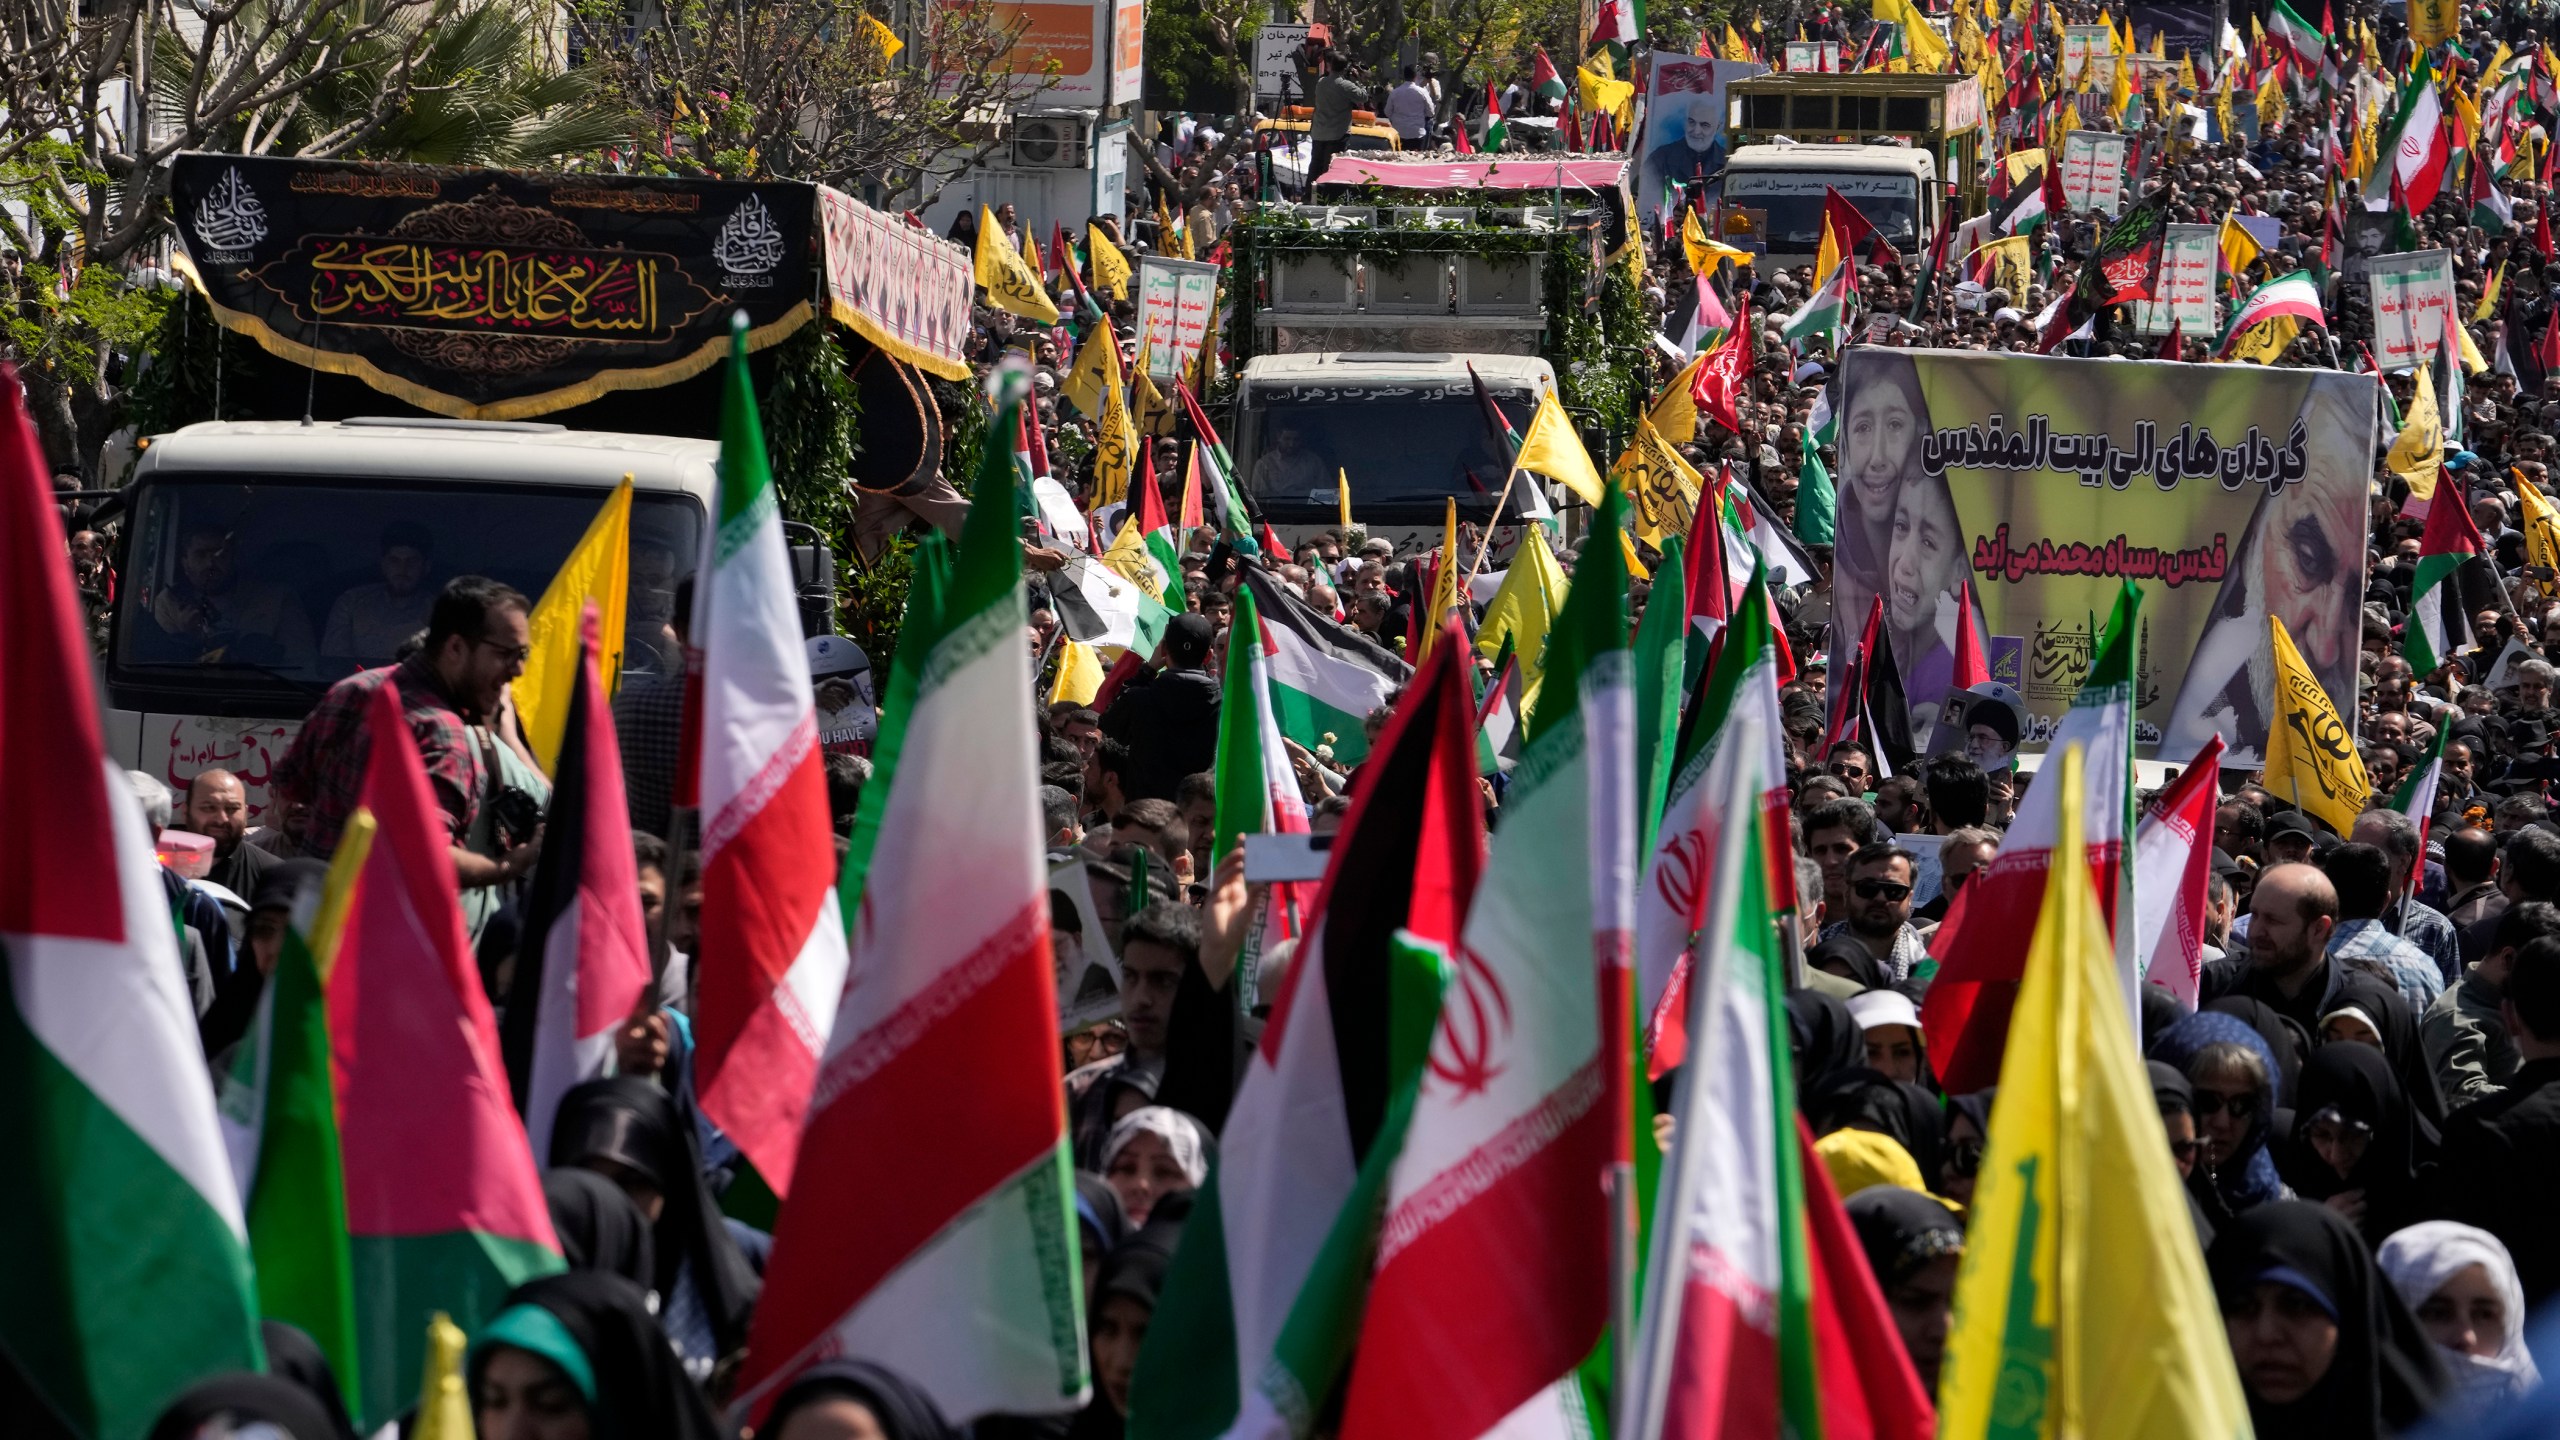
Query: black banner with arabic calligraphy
(489, 294)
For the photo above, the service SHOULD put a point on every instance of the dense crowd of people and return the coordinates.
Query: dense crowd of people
(2365, 1106)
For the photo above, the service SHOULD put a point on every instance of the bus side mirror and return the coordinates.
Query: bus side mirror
(813, 578)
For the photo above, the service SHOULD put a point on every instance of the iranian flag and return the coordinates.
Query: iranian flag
(1826, 310)
(768, 852)
(2418, 152)
(1762, 1316)
(1325, 678)
(1264, 1299)
(962, 1276)
(2172, 860)
(127, 1278)
(1981, 948)
(1493, 1278)
(2287, 297)
(1705, 815)
(1257, 787)
(2439, 624)
(585, 961)
(2297, 37)
(444, 1203)
(280, 1120)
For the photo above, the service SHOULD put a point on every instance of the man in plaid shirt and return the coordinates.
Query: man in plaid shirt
(478, 639)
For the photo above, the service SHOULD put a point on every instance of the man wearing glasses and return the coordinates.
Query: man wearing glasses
(1880, 909)
(478, 638)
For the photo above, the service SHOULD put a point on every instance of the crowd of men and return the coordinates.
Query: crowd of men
(2366, 1105)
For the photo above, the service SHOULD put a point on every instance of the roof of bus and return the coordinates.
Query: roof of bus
(433, 451)
(1381, 367)
(1895, 159)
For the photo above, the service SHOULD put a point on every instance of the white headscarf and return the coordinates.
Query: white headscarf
(1182, 1135)
(2419, 1260)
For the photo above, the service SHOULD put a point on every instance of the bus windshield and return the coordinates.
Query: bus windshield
(305, 582)
(1793, 198)
(1402, 447)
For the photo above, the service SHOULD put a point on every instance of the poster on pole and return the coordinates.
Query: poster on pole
(2226, 492)
(2190, 258)
(1684, 114)
(2412, 295)
(2080, 45)
(1275, 71)
(2093, 163)
(1174, 300)
(1820, 57)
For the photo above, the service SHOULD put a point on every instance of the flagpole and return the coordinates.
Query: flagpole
(1486, 544)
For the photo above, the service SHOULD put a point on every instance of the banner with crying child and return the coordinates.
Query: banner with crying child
(2224, 491)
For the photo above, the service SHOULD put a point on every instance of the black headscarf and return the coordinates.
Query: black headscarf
(600, 1227)
(903, 1410)
(632, 1123)
(2385, 1373)
(293, 1356)
(1825, 1037)
(2169, 1088)
(1136, 1268)
(1845, 951)
(1902, 1230)
(2285, 1040)
(1101, 1221)
(244, 1398)
(2160, 1010)
(1864, 1099)
(2356, 1079)
(642, 1392)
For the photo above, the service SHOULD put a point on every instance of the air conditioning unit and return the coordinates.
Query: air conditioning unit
(1306, 281)
(1500, 284)
(1408, 284)
(1051, 142)
(1435, 216)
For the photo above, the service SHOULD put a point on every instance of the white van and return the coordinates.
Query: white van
(1894, 186)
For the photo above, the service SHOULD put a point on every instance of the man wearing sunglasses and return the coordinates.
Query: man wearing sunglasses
(1879, 909)
(478, 638)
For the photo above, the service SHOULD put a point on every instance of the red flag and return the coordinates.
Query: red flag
(2172, 860)
(585, 960)
(1970, 667)
(2542, 229)
(1710, 588)
(2546, 351)
(1717, 387)
(1844, 220)
(2173, 346)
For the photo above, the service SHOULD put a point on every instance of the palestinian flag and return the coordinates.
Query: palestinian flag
(1490, 131)
(2024, 208)
(2288, 297)
(1712, 805)
(1498, 715)
(444, 1202)
(2297, 37)
(2126, 266)
(1263, 1302)
(127, 1279)
(948, 1045)
(1215, 466)
(1826, 311)
(2491, 210)
(585, 961)
(1543, 79)
(1163, 543)
(1981, 947)
(1492, 1281)
(2440, 625)
(768, 852)
(1100, 605)
(1325, 678)
(1762, 1316)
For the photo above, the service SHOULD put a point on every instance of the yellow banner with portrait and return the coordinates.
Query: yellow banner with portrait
(2226, 493)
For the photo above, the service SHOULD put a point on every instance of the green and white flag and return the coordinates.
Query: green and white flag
(2298, 36)
(2439, 625)
(1826, 311)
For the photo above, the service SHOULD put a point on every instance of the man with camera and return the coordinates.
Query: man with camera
(1333, 92)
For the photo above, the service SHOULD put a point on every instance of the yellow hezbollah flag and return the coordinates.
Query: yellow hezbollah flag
(2082, 1308)
(1553, 450)
(1703, 252)
(1084, 386)
(1662, 489)
(882, 36)
(1110, 267)
(1734, 49)
(598, 573)
(2541, 530)
(1129, 559)
(2239, 247)
(1079, 674)
(2311, 754)
(1675, 415)
(444, 1409)
(1444, 581)
(1010, 284)
(2419, 448)
(1115, 441)
(1603, 93)
(1524, 609)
